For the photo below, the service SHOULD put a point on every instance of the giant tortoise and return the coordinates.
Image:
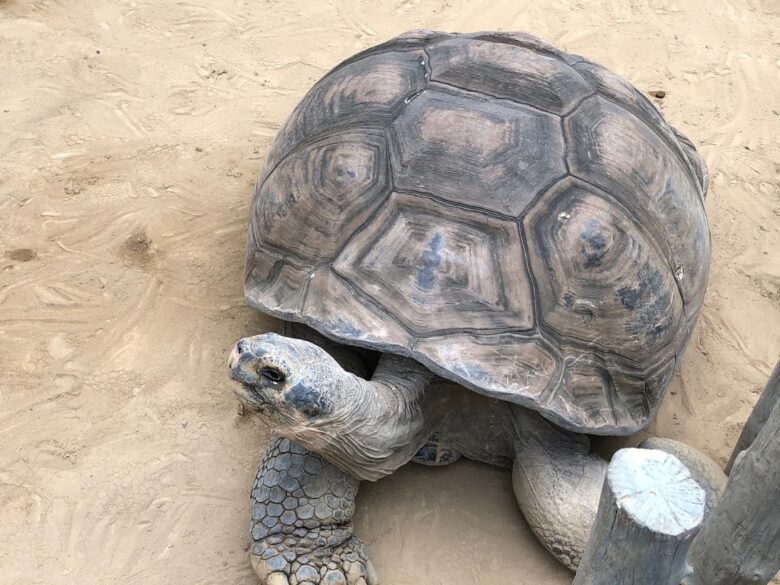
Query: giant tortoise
(483, 246)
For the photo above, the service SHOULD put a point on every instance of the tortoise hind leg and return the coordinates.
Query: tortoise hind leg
(557, 482)
(465, 424)
(436, 453)
(302, 507)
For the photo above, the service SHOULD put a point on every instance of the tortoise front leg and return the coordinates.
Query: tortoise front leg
(302, 508)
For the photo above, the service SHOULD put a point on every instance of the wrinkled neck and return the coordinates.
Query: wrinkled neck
(400, 382)
(384, 426)
(378, 424)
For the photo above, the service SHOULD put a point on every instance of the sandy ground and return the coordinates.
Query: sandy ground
(131, 133)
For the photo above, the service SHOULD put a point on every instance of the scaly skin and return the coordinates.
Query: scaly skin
(302, 508)
(557, 481)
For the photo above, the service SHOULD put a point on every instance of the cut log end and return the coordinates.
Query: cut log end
(650, 510)
(656, 491)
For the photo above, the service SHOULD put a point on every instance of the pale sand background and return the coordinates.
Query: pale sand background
(131, 134)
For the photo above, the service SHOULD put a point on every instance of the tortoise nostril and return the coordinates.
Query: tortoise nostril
(240, 347)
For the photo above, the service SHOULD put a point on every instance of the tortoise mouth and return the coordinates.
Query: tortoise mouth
(253, 397)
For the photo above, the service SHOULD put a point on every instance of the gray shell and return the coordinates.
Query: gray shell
(520, 220)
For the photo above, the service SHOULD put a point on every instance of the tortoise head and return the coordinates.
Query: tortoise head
(295, 385)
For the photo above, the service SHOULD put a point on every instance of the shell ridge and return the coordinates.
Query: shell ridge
(455, 204)
(356, 289)
(453, 89)
(665, 251)
(372, 216)
(671, 145)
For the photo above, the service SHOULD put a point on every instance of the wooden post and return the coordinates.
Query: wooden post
(649, 512)
(740, 543)
(757, 419)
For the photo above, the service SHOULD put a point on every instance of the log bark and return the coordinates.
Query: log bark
(757, 419)
(650, 511)
(740, 544)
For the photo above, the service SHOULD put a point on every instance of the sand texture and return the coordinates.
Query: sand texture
(131, 134)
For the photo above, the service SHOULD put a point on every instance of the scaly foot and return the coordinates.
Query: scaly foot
(435, 453)
(302, 507)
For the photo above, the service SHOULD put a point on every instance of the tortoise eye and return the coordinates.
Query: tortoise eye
(272, 375)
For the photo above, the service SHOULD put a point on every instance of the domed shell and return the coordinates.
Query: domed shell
(520, 220)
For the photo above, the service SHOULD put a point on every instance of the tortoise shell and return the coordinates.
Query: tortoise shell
(520, 220)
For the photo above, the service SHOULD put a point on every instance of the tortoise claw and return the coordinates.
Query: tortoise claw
(346, 564)
(277, 579)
